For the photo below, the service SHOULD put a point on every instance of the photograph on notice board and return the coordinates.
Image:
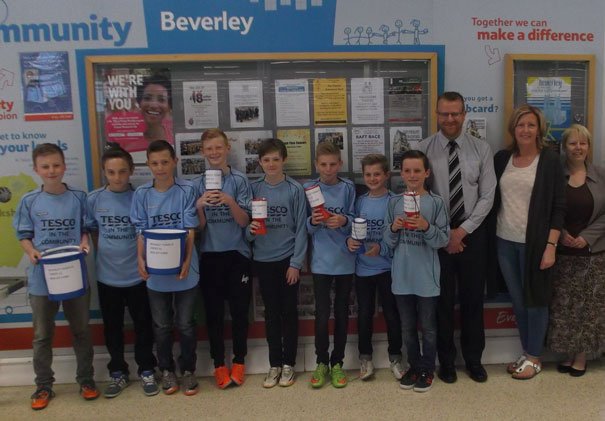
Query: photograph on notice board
(403, 139)
(246, 103)
(553, 96)
(46, 86)
(191, 163)
(244, 150)
(476, 127)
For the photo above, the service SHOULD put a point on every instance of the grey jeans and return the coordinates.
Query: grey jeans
(77, 315)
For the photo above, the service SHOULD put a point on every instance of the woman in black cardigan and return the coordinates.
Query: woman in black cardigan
(530, 208)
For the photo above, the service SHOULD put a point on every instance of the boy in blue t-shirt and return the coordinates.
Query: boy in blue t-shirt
(49, 217)
(164, 203)
(278, 258)
(225, 257)
(119, 282)
(331, 263)
(373, 268)
(415, 240)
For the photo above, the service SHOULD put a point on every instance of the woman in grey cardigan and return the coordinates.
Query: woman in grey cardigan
(577, 322)
(530, 210)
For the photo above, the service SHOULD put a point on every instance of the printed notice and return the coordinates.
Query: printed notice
(403, 139)
(200, 104)
(553, 96)
(367, 100)
(246, 103)
(405, 99)
(292, 102)
(338, 137)
(298, 143)
(330, 101)
(366, 140)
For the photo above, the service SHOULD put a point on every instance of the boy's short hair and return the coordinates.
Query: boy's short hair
(375, 158)
(415, 154)
(327, 148)
(272, 145)
(156, 79)
(44, 149)
(213, 134)
(117, 152)
(159, 146)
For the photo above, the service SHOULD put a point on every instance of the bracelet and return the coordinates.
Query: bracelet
(552, 244)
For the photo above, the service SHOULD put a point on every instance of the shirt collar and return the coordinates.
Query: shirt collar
(444, 141)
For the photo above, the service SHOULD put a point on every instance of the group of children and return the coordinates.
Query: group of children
(398, 258)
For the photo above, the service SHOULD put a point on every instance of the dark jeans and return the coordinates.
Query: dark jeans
(76, 311)
(365, 287)
(466, 271)
(169, 309)
(113, 302)
(322, 284)
(414, 309)
(226, 276)
(281, 311)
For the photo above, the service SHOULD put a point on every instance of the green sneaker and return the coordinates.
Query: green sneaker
(319, 375)
(339, 378)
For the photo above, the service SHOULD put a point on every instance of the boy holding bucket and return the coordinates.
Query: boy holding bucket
(49, 217)
(279, 253)
(165, 207)
(373, 267)
(119, 282)
(331, 261)
(223, 208)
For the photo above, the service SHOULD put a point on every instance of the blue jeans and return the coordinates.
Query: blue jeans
(414, 309)
(168, 309)
(532, 322)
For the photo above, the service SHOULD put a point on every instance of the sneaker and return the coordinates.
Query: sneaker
(339, 378)
(150, 385)
(397, 369)
(424, 382)
(272, 377)
(287, 376)
(189, 383)
(366, 369)
(89, 391)
(408, 381)
(238, 372)
(221, 375)
(169, 382)
(41, 397)
(319, 375)
(119, 381)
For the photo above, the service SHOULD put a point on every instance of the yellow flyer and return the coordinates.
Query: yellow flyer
(330, 101)
(298, 143)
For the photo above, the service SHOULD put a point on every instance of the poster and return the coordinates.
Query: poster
(191, 163)
(200, 104)
(403, 139)
(46, 86)
(330, 101)
(244, 150)
(553, 96)
(366, 140)
(476, 127)
(405, 99)
(292, 102)
(337, 136)
(246, 103)
(136, 116)
(298, 143)
(367, 100)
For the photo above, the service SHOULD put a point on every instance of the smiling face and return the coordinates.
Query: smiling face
(450, 117)
(526, 131)
(162, 165)
(414, 174)
(155, 104)
(117, 172)
(375, 177)
(216, 151)
(50, 168)
(328, 166)
(576, 148)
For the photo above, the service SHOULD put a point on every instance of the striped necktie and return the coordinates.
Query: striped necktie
(456, 197)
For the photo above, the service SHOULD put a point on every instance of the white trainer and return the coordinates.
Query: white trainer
(287, 376)
(366, 369)
(397, 369)
(272, 377)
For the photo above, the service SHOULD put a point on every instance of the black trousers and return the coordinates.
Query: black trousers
(322, 284)
(464, 273)
(281, 311)
(225, 276)
(113, 302)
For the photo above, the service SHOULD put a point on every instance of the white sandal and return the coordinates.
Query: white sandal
(527, 363)
(512, 367)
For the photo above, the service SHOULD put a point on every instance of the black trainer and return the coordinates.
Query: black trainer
(424, 382)
(408, 380)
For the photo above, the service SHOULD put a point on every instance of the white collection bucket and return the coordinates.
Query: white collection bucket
(164, 250)
(64, 272)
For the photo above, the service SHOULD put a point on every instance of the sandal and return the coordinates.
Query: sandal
(512, 367)
(527, 363)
